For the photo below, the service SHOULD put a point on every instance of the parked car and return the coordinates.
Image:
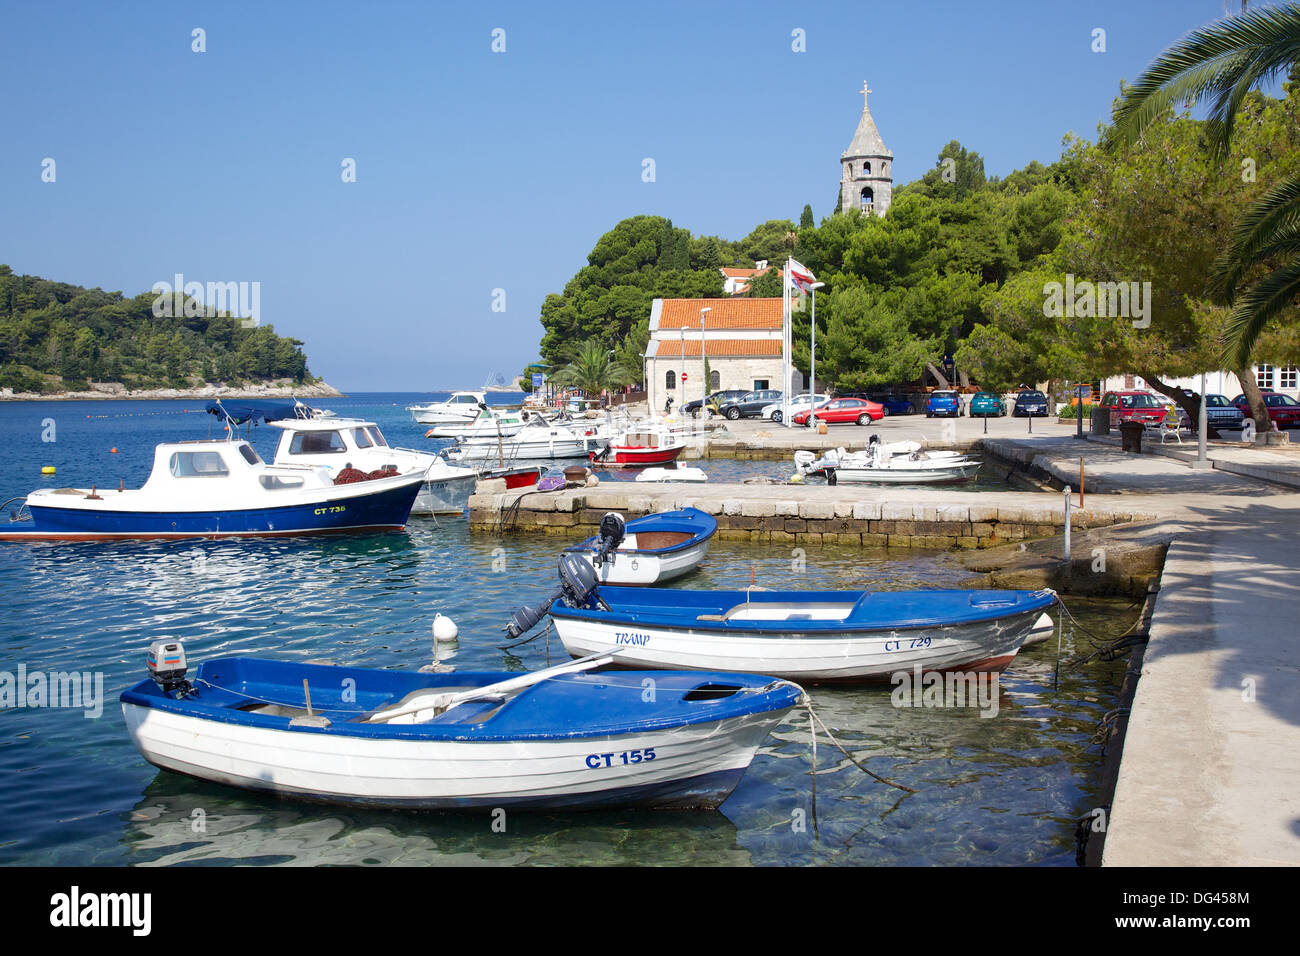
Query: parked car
(894, 404)
(987, 403)
(1130, 406)
(798, 403)
(943, 402)
(841, 410)
(1282, 409)
(716, 399)
(1221, 413)
(749, 405)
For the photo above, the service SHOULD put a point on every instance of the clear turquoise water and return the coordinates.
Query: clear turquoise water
(1004, 790)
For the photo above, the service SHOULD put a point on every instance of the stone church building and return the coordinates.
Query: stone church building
(741, 338)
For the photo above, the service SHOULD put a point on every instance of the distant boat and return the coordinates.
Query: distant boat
(562, 738)
(460, 408)
(649, 550)
(218, 489)
(488, 423)
(538, 440)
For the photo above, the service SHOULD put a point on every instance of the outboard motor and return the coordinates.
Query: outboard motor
(577, 589)
(167, 666)
(612, 531)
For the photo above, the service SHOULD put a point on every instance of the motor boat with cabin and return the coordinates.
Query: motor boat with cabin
(341, 444)
(487, 424)
(538, 440)
(460, 408)
(642, 445)
(218, 489)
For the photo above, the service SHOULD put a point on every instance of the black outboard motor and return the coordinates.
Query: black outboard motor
(578, 588)
(612, 531)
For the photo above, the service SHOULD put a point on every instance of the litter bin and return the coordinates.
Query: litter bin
(1100, 421)
(1131, 437)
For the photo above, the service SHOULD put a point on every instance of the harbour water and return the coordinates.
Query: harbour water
(1001, 790)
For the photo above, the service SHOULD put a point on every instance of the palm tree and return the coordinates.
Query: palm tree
(1224, 62)
(591, 367)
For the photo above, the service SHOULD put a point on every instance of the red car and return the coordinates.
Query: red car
(841, 410)
(1133, 406)
(1283, 409)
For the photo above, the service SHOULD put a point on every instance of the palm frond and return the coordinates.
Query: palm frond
(1255, 307)
(1262, 231)
(1223, 60)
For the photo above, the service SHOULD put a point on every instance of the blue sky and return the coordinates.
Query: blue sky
(479, 170)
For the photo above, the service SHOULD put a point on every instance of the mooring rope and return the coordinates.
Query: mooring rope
(815, 717)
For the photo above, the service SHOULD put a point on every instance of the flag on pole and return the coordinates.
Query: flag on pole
(801, 276)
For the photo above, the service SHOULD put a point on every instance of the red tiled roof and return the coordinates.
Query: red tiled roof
(730, 313)
(720, 348)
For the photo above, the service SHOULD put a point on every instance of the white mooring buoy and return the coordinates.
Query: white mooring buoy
(444, 629)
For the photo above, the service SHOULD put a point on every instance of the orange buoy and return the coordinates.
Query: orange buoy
(112, 451)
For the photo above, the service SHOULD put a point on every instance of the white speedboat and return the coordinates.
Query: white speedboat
(339, 444)
(902, 462)
(488, 423)
(460, 408)
(538, 440)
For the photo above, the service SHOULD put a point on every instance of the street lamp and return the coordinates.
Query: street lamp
(704, 366)
(812, 370)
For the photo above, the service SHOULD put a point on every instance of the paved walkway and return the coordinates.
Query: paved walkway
(1210, 774)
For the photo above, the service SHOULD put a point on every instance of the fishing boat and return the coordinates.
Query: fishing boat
(892, 463)
(640, 446)
(649, 550)
(460, 408)
(219, 489)
(817, 636)
(565, 737)
(340, 445)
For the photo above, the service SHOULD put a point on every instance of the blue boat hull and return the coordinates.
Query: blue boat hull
(383, 510)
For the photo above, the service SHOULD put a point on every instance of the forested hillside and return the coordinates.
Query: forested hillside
(56, 337)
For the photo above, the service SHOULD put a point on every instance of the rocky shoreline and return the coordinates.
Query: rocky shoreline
(113, 390)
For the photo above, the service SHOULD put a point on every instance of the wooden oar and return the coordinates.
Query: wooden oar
(440, 703)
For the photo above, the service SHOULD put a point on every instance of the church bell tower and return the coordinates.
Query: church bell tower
(867, 167)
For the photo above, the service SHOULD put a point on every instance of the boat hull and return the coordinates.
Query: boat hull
(578, 741)
(657, 548)
(813, 651)
(640, 457)
(640, 568)
(445, 496)
(696, 767)
(385, 509)
(948, 473)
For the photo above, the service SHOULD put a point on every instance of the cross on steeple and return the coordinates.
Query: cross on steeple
(864, 91)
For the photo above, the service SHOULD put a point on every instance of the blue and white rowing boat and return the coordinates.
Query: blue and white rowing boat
(649, 550)
(817, 636)
(218, 489)
(560, 738)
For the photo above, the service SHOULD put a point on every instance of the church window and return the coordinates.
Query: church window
(670, 380)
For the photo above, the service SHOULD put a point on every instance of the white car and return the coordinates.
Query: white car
(772, 413)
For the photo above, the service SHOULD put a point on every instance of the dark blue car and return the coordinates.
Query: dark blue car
(1030, 403)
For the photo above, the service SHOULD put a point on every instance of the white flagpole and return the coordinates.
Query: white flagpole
(785, 346)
